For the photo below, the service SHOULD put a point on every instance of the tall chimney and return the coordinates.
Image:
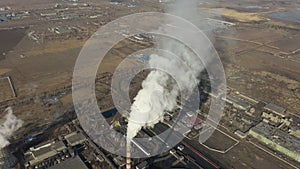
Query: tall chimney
(128, 151)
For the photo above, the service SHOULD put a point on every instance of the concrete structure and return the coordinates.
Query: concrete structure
(142, 165)
(48, 14)
(277, 140)
(120, 161)
(295, 126)
(271, 117)
(275, 109)
(240, 134)
(238, 103)
(221, 21)
(275, 119)
(62, 29)
(44, 151)
(75, 138)
(12, 87)
(73, 163)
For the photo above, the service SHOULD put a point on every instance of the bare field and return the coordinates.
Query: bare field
(257, 62)
(265, 61)
(288, 44)
(220, 142)
(248, 156)
(4, 71)
(56, 47)
(243, 16)
(5, 90)
(10, 38)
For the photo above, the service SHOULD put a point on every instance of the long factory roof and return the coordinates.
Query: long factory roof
(74, 163)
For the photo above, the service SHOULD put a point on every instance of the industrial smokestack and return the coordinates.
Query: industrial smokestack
(128, 155)
(8, 127)
(160, 91)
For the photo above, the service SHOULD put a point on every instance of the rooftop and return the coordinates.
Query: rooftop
(275, 109)
(278, 136)
(75, 138)
(239, 102)
(62, 29)
(74, 163)
(240, 133)
(46, 151)
(57, 146)
(142, 165)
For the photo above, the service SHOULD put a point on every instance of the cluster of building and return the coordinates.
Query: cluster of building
(68, 11)
(64, 147)
(277, 139)
(51, 153)
(58, 16)
(279, 130)
(8, 15)
(68, 147)
(267, 122)
(242, 114)
(63, 29)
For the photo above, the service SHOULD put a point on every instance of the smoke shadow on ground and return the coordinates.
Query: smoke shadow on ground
(204, 87)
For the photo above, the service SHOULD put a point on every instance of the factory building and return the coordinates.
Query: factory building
(120, 161)
(295, 126)
(277, 139)
(48, 14)
(275, 115)
(73, 163)
(273, 108)
(61, 30)
(274, 119)
(240, 134)
(38, 154)
(58, 154)
(142, 165)
(238, 103)
(75, 138)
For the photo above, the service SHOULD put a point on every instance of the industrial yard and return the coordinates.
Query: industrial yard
(259, 49)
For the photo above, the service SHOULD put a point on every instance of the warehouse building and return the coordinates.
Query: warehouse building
(44, 151)
(73, 163)
(238, 103)
(277, 139)
(280, 111)
(75, 138)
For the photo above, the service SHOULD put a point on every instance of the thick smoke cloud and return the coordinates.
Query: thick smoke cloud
(159, 90)
(9, 126)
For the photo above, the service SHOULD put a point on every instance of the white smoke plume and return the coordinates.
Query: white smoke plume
(9, 126)
(159, 91)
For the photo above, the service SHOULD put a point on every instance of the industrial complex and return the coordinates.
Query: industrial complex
(257, 42)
